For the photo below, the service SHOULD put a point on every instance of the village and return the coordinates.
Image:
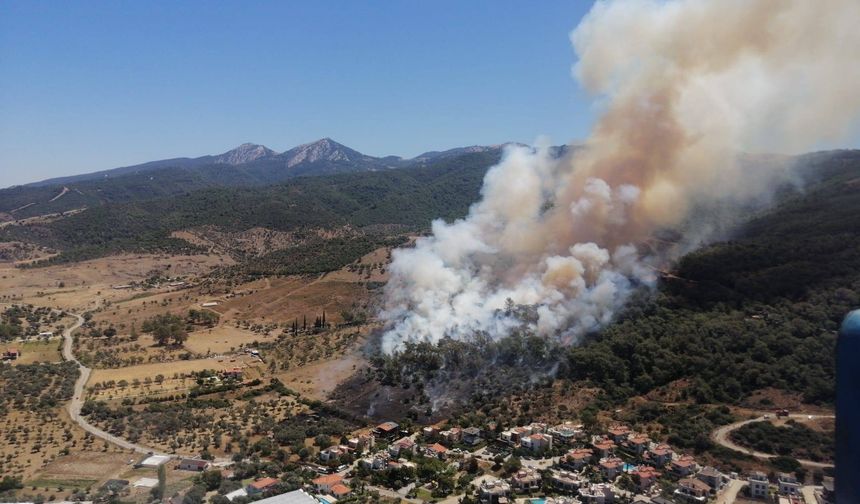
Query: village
(491, 464)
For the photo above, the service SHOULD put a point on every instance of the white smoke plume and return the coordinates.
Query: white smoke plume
(684, 86)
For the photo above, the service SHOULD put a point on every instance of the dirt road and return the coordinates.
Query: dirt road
(722, 436)
(77, 401)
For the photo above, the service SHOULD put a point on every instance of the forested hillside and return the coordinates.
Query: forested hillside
(408, 198)
(759, 311)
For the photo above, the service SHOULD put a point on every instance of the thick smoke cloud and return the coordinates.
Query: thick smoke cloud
(684, 86)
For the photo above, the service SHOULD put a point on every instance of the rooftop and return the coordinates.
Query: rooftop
(295, 497)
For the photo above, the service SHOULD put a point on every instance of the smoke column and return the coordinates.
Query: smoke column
(684, 86)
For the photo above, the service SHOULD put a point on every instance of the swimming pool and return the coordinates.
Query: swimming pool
(628, 467)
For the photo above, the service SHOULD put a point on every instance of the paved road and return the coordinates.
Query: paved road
(77, 401)
(722, 436)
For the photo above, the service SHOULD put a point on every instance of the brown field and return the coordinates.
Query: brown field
(223, 339)
(88, 465)
(82, 285)
(167, 369)
(36, 351)
(33, 441)
(320, 379)
(287, 299)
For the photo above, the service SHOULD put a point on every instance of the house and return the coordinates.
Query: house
(494, 492)
(758, 485)
(611, 467)
(713, 478)
(619, 433)
(577, 458)
(451, 436)
(406, 444)
(386, 430)
(603, 447)
(645, 476)
(193, 465)
(638, 443)
(472, 436)
(334, 453)
(436, 450)
(660, 454)
(340, 490)
(537, 443)
(11, 354)
(429, 432)
(787, 484)
(693, 490)
(377, 462)
(565, 480)
(261, 485)
(515, 435)
(565, 433)
(597, 494)
(684, 466)
(235, 373)
(324, 484)
(526, 480)
(361, 443)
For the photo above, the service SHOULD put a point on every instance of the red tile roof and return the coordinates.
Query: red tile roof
(340, 489)
(328, 479)
(264, 483)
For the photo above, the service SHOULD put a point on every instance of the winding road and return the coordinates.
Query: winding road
(722, 436)
(77, 401)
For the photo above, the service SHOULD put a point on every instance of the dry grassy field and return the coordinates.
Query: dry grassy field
(35, 351)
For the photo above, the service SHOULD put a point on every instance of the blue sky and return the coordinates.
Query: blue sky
(95, 85)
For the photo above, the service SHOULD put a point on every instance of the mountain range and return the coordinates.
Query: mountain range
(248, 165)
(323, 156)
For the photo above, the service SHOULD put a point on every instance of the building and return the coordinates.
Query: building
(659, 455)
(787, 484)
(577, 458)
(193, 465)
(387, 430)
(645, 476)
(537, 443)
(235, 373)
(565, 480)
(603, 447)
(11, 354)
(236, 493)
(153, 461)
(597, 494)
(261, 485)
(610, 468)
(494, 492)
(430, 432)
(340, 491)
(294, 497)
(638, 443)
(361, 443)
(693, 490)
(713, 478)
(684, 466)
(451, 436)
(566, 433)
(403, 445)
(472, 436)
(526, 480)
(324, 484)
(377, 462)
(436, 450)
(758, 485)
(619, 433)
(334, 453)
